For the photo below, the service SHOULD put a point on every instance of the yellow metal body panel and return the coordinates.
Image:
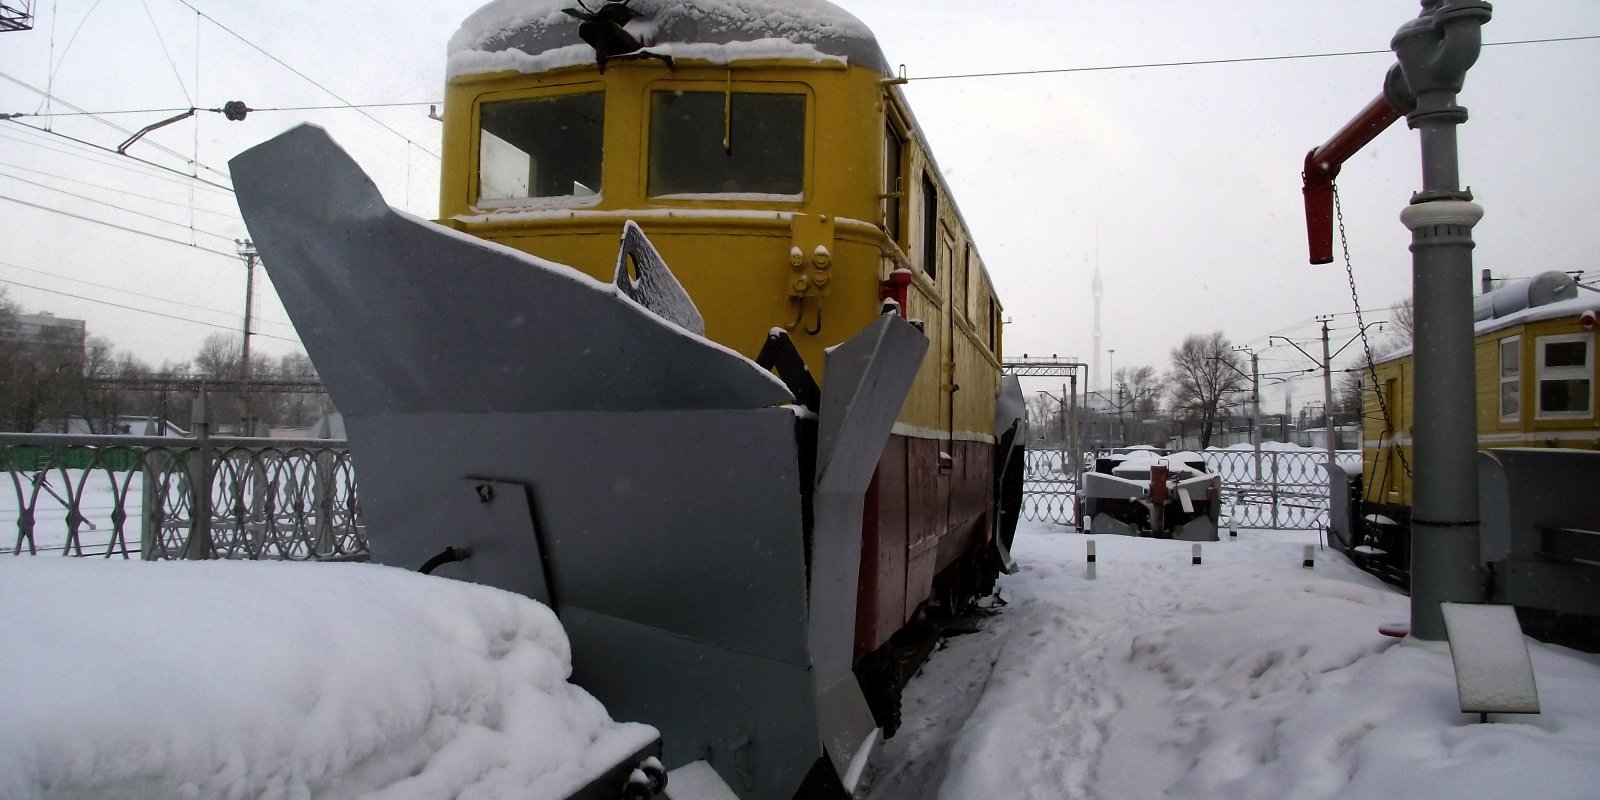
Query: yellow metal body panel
(1385, 480)
(754, 264)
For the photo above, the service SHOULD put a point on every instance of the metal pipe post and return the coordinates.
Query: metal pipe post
(1076, 461)
(1435, 51)
(1327, 398)
(1255, 402)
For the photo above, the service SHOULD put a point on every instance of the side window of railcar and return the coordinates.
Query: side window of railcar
(1565, 376)
(930, 225)
(994, 326)
(746, 143)
(1510, 379)
(541, 147)
(894, 179)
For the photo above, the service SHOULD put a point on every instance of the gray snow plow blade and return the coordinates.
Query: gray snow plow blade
(580, 449)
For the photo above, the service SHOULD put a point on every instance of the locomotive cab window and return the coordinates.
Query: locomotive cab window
(1566, 376)
(721, 143)
(541, 147)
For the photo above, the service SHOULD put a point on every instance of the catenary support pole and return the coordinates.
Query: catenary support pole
(1255, 409)
(1330, 444)
(1435, 50)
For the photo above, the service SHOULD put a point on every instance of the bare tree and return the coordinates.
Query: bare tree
(220, 357)
(1404, 319)
(1204, 371)
(36, 371)
(1139, 395)
(297, 409)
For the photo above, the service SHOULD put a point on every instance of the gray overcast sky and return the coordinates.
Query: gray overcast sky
(1182, 183)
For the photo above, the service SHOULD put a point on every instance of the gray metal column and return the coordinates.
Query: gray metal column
(1435, 51)
(1330, 445)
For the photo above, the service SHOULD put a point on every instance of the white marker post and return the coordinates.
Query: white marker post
(1309, 560)
(1089, 570)
(1196, 559)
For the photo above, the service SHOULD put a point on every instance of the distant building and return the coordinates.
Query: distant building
(46, 339)
(125, 425)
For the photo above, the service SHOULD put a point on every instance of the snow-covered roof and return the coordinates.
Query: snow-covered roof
(536, 35)
(1556, 310)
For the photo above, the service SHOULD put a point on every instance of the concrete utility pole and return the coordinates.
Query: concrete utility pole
(1435, 51)
(1255, 404)
(1327, 397)
(1076, 459)
(247, 251)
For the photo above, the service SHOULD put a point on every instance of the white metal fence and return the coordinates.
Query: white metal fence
(1287, 491)
(161, 498)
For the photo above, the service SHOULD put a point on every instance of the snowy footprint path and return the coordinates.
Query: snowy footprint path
(1245, 677)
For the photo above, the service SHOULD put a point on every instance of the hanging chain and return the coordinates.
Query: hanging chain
(1361, 326)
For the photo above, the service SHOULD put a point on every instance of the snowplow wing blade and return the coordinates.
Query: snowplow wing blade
(441, 321)
(575, 446)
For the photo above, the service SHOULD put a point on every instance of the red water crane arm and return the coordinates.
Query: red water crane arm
(1322, 166)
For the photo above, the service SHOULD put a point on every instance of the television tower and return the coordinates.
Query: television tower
(1097, 289)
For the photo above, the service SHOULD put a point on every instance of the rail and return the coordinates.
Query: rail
(160, 498)
(1287, 491)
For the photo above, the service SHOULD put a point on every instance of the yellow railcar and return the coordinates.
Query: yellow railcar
(787, 185)
(1535, 385)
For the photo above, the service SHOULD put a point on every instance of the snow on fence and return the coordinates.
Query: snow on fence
(1288, 490)
(160, 498)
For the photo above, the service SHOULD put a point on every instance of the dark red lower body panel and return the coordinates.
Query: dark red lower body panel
(920, 520)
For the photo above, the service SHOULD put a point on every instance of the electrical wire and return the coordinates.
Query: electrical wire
(253, 110)
(225, 215)
(164, 51)
(42, 139)
(280, 62)
(113, 152)
(114, 207)
(109, 124)
(1218, 61)
(157, 298)
(157, 236)
(143, 310)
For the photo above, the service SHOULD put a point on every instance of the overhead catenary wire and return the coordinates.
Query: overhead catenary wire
(1217, 61)
(169, 151)
(121, 209)
(157, 236)
(229, 327)
(124, 290)
(229, 215)
(353, 106)
(308, 79)
(113, 152)
(165, 52)
(253, 109)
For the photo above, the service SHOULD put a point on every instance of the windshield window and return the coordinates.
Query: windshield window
(541, 147)
(698, 147)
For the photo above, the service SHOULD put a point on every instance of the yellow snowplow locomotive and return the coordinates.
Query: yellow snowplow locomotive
(737, 454)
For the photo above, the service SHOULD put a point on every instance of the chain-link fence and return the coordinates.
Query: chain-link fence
(1282, 489)
(161, 498)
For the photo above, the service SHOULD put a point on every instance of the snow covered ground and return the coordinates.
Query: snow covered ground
(244, 680)
(1245, 677)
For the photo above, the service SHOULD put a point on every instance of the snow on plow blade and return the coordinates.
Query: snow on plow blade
(527, 427)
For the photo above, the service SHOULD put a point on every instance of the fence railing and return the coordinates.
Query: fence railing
(1287, 491)
(159, 498)
(219, 497)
